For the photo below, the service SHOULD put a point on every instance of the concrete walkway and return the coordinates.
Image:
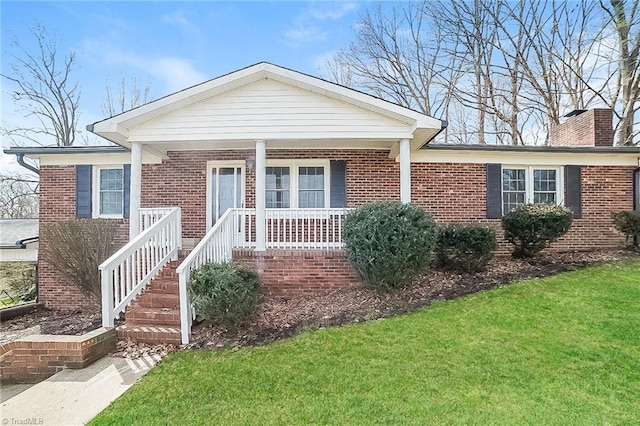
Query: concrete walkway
(72, 397)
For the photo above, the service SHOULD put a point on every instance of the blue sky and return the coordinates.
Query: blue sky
(177, 44)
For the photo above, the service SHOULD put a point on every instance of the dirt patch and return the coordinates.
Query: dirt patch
(279, 318)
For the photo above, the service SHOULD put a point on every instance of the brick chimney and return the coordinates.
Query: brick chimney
(584, 128)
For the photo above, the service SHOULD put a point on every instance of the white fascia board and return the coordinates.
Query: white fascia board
(526, 158)
(96, 159)
(116, 128)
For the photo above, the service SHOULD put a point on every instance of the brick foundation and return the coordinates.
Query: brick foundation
(34, 358)
(296, 272)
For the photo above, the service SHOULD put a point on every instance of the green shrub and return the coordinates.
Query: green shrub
(389, 243)
(465, 248)
(225, 294)
(532, 227)
(628, 223)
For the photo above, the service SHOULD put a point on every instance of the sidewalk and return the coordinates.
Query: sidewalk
(72, 397)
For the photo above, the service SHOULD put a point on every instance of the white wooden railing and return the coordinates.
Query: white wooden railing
(286, 229)
(216, 246)
(131, 268)
(149, 216)
(292, 228)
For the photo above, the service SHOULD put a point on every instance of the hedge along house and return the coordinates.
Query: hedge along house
(261, 164)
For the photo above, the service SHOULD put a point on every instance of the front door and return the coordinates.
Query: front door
(227, 190)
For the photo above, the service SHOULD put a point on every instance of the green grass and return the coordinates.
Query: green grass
(559, 350)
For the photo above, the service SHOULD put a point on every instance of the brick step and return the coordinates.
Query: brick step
(136, 315)
(150, 334)
(163, 285)
(155, 299)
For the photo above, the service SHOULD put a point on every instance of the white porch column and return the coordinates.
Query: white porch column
(261, 177)
(135, 190)
(405, 171)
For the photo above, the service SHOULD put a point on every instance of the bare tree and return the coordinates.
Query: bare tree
(42, 87)
(126, 98)
(625, 16)
(397, 56)
(18, 196)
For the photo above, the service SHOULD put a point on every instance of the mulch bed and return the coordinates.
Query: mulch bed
(279, 318)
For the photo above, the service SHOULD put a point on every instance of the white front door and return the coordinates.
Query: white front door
(226, 190)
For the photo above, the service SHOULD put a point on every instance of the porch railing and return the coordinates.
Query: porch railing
(215, 246)
(292, 228)
(149, 216)
(131, 268)
(286, 229)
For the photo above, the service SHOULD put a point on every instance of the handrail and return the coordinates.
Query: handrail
(215, 246)
(286, 228)
(150, 215)
(130, 269)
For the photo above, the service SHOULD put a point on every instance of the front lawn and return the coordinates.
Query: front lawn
(559, 350)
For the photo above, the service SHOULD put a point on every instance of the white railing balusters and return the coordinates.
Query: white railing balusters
(131, 268)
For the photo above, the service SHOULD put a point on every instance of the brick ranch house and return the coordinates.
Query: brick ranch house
(260, 165)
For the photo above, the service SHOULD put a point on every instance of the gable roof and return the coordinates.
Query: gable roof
(131, 125)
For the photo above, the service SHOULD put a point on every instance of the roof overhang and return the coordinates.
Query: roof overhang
(420, 128)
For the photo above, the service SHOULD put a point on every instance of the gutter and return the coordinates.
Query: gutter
(21, 244)
(20, 158)
(443, 125)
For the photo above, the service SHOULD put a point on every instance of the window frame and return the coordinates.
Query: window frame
(529, 189)
(294, 172)
(95, 191)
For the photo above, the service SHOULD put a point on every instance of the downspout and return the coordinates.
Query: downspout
(636, 199)
(20, 158)
(443, 125)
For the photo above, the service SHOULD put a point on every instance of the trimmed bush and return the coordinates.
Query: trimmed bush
(465, 248)
(76, 248)
(389, 243)
(225, 294)
(628, 223)
(533, 227)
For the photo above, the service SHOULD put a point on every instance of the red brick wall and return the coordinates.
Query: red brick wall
(58, 203)
(591, 128)
(295, 272)
(449, 191)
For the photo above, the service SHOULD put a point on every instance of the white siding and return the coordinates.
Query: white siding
(269, 109)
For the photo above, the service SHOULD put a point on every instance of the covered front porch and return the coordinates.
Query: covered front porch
(261, 159)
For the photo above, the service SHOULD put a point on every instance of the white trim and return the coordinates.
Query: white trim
(405, 170)
(95, 159)
(526, 158)
(209, 170)
(529, 193)
(294, 165)
(117, 128)
(95, 191)
(260, 195)
(135, 190)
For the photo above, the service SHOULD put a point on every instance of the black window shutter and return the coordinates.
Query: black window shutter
(338, 179)
(83, 191)
(494, 191)
(126, 182)
(573, 190)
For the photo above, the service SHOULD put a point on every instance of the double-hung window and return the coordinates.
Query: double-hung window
(297, 184)
(522, 185)
(108, 191)
(278, 182)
